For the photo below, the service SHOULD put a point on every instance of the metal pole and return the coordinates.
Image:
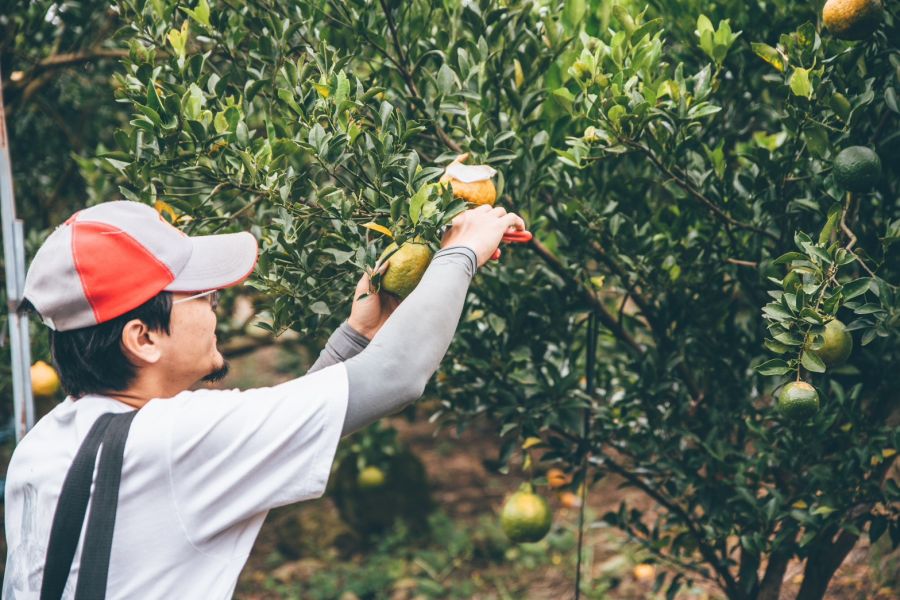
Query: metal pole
(14, 263)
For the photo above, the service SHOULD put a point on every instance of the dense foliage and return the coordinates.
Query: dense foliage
(674, 162)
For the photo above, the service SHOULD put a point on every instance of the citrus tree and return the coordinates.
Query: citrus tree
(702, 258)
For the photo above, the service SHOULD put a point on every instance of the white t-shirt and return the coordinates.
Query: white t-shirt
(200, 472)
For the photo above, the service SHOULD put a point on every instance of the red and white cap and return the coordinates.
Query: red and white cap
(109, 259)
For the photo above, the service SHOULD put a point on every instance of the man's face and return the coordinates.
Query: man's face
(190, 352)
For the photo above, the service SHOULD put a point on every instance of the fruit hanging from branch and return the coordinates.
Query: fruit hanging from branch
(406, 266)
(837, 346)
(857, 169)
(525, 516)
(852, 19)
(798, 401)
(471, 183)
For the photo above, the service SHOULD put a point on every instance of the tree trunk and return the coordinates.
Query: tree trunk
(771, 583)
(822, 563)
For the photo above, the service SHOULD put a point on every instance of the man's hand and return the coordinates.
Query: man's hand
(370, 310)
(481, 229)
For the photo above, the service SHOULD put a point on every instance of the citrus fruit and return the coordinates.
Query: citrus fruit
(570, 500)
(644, 572)
(525, 517)
(471, 183)
(798, 401)
(857, 168)
(556, 478)
(44, 380)
(407, 265)
(852, 19)
(370, 477)
(837, 346)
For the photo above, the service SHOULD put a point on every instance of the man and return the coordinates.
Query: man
(131, 303)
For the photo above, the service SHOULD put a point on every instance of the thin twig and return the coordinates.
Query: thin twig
(602, 313)
(727, 580)
(698, 195)
(742, 263)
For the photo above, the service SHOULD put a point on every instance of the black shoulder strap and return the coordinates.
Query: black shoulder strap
(110, 429)
(94, 566)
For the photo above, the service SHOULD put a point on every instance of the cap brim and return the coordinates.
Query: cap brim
(218, 261)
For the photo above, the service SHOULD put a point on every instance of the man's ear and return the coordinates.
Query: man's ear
(140, 343)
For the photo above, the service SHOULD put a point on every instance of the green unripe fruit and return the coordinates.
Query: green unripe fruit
(407, 265)
(857, 169)
(370, 478)
(798, 401)
(525, 517)
(837, 346)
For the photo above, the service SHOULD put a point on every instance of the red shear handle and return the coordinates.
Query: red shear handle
(517, 237)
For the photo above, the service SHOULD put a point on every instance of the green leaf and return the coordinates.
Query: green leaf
(857, 287)
(201, 13)
(890, 99)
(573, 12)
(320, 308)
(342, 90)
(800, 83)
(445, 79)
(788, 258)
(776, 366)
(812, 363)
(565, 97)
(834, 214)
(770, 55)
(418, 201)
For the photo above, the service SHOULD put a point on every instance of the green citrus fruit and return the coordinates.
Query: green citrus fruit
(525, 517)
(852, 19)
(407, 265)
(798, 401)
(370, 478)
(837, 346)
(857, 168)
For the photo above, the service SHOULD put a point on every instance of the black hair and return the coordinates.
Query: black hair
(90, 360)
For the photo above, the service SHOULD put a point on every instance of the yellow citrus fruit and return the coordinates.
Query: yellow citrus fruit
(525, 517)
(857, 168)
(471, 183)
(644, 572)
(557, 478)
(798, 401)
(371, 477)
(44, 380)
(837, 346)
(407, 265)
(852, 19)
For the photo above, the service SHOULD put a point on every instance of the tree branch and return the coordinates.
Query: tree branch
(403, 67)
(726, 580)
(770, 588)
(698, 195)
(588, 295)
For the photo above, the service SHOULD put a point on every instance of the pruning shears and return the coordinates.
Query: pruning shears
(517, 237)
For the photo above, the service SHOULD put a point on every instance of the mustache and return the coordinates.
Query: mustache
(217, 374)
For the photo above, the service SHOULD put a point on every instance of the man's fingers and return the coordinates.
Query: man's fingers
(499, 211)
(513, 220)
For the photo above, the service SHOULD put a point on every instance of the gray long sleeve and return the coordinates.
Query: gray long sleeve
(394, 368)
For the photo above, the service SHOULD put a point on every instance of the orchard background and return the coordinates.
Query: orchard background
(673, 159)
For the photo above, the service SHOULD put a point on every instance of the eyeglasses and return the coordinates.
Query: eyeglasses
(213, 300)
